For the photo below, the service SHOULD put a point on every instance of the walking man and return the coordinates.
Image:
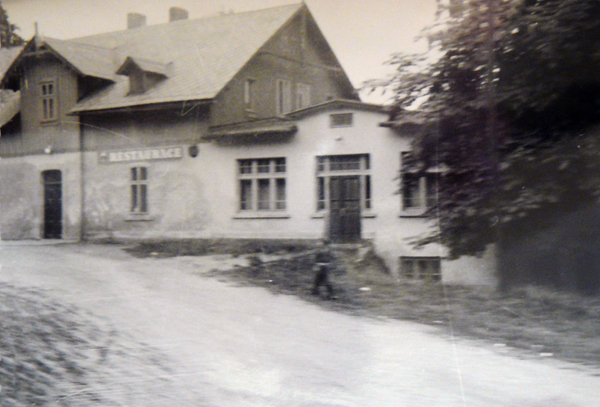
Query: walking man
(323, 259)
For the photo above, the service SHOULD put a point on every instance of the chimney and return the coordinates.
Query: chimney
(177, 13)
(135, 20)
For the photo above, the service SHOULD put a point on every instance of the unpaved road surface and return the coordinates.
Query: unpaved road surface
(198, 341)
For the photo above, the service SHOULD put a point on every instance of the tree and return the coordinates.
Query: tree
(510, 102)
(8, 36)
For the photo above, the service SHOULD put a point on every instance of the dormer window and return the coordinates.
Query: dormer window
(137, 82)
(143, 74)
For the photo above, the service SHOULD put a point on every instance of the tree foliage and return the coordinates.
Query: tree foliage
(8, 35)
(512, 95)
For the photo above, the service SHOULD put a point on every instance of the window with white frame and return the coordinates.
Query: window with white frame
(262, 184)
(283, 96)
(48, 99)
(139, 190)
(343, 165)
(418, 189)
(302, 95)
(421, 268)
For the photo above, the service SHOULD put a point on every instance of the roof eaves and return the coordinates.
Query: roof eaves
(261, 128)
(137, 106)
(337, 104)
(75, 52)
(15, 62)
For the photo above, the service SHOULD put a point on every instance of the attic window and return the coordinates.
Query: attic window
(341, 119)
(137, 82)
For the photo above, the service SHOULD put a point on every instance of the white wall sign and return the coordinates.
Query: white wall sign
(143, 154)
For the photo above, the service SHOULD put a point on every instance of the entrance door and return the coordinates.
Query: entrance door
(344, 204)
(52, 204)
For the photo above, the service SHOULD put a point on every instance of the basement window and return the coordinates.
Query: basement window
(421, 268)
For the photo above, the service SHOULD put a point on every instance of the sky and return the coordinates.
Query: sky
(362, 33)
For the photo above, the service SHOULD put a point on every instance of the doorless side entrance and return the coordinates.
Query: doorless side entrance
(52, 204)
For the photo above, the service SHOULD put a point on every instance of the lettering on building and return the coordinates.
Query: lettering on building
(144, 154)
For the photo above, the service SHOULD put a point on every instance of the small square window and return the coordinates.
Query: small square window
(263, 166)
(280, 165)
(245, 166)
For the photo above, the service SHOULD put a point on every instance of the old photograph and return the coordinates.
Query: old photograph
(317, 203)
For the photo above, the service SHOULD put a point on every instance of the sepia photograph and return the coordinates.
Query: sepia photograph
(311, 203)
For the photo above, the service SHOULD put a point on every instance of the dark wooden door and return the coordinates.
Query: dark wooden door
(52, 204)
(344, 205)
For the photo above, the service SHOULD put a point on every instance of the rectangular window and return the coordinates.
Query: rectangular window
(139, 190)
(320, 193)
(421, 268)
(249, 94)
(341, 165)
(283, 96)
(280, 194)
(341, 119)
(262, 184)
(48, 98)
(419, 190)
(302, 95)
(245, 195)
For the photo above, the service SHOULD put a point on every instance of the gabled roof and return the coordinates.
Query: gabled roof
(88, 59)
(338, 104)
(84, 59)
(197, 57)
(205, 55)
(274, 126)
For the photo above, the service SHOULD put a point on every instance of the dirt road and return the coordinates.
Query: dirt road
(223, 345)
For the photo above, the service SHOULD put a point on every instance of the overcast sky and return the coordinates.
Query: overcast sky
(362, 33)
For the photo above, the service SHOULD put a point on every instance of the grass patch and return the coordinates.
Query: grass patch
(203, 247)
